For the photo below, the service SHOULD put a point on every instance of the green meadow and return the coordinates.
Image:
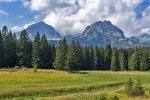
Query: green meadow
(24, 84)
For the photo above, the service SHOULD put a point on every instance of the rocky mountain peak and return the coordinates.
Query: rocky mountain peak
(42, 28)
(103, 29)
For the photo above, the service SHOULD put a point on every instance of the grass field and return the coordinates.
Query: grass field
(24, 84)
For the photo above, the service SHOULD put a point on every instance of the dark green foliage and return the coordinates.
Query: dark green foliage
(1, 52)
(10, 50)
(107, 57)
(45, 56)
(52, 53)
(114, 60)
(91, 58)
(96, 58)
(85, 65)
(24, 50)
(36, 51)
(42, 54)
(134, 62)
(101, 64)
(61, 53)
(74, 57)
(122, 60)
(144, 61)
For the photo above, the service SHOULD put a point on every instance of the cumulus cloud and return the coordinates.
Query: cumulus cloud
(70, 17)
(8, 0)
(3, 12)
(19, 28)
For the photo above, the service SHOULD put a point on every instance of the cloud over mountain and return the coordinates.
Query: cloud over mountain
(71, 16)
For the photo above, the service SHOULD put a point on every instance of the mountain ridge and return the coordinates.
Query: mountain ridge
(42, 28)
(99, 33)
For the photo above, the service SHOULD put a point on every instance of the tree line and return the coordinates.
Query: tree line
(69, 57)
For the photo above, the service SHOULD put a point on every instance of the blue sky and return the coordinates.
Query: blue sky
(70, 17)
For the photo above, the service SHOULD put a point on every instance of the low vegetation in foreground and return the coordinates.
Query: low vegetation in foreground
(27, 84)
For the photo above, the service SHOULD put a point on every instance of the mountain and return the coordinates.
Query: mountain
(144, 37)
(99, 33)
(103, 33)
(42, 28)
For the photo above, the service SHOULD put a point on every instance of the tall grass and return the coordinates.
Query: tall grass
(52, 84)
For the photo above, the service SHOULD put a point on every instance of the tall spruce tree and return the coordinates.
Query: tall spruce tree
(52, 53)
(96, 58)
(23, 51)
(114, 60)
(91, 58)
(144, 65)
(107, 57)
(101, 67)
(61, 53)
(85, 65)
(45, 56)
(134, 62)
(10, 50)
(1, 51)
(36, 51)
(74, 57)
(122, 60)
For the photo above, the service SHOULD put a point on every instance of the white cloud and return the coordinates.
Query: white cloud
(8, 0)
(72, 16)
(145, 30)
(16, 28)
(3, 13)
(21, 16)
(36, 17)
(19, 28)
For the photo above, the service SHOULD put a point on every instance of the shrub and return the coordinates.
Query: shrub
(35, 68)
(129, 87)
(136, 90)
(103, 97)
(115, 98)
(16, 67)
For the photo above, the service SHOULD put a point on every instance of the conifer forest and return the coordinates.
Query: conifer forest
(68, 57)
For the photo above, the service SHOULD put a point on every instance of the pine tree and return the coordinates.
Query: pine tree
(36, 51)
(52, 53)
(1, 51)
(79, 55)
(144, 65)
(101, 67)
(74, 57)
(61, 53)
(4, 32)
(134, 62)
(107, 57)
(85, 65)
(91, 58)
(96, 58)
(114, 60)
(122, 60)
(45, 56)
(10, 50)
(23, 51)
